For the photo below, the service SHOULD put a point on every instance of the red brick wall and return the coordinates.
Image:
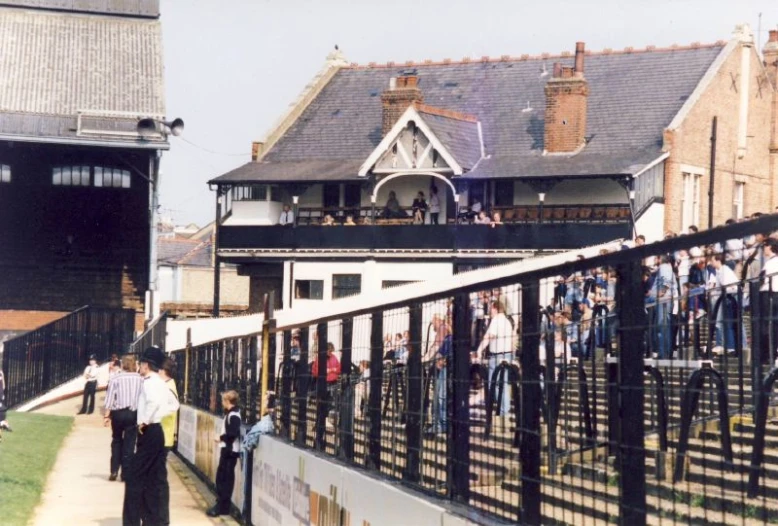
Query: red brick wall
(27, 320)
(565, 118)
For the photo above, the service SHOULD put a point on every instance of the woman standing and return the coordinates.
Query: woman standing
(434, 205)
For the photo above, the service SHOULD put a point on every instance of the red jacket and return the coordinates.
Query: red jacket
(333, 368)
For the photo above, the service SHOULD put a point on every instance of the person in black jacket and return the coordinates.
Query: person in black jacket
(229, 442)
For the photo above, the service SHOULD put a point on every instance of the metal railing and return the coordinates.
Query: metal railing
(154, 335)
(48, 356)
(610, 406)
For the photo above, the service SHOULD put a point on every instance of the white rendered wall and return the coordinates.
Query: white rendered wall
(583, 192)
(254, 213)
(651, 223)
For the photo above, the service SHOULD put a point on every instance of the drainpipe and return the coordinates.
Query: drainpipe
(712, 171)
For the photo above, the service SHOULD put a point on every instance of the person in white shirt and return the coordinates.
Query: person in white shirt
(726, 317)
(143, 495)
(499, 339)
(90, 388)
(287, 217)
(434, 205)
(768, 302)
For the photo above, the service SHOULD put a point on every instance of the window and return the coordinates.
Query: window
(331, 196)
(256, 192)
(5, 173)
(111, 177)
(503, 193)
(690, 205)
(70, 175)
(738, 200)
(344, 285)
(308, 289)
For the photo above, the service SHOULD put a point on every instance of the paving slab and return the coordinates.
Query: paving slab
(78, 492)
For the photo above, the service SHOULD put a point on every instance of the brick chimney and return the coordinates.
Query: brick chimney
(770, 54)
(566, 100)
(403, 91)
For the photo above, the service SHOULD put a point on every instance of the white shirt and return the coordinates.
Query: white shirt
(727, 279)
(156, 400)
(434, 204)
(499, 335)
(770, 270)
(733, 249)
(91, 373)
(287, 218)
(476, 207)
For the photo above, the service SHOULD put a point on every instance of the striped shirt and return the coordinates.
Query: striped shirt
(123, 391)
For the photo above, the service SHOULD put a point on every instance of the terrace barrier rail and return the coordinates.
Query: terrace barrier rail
(620, 388)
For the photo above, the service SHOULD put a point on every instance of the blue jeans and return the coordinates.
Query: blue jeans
(494, 361)
(439, 414)
(726, 322)
(663, 330)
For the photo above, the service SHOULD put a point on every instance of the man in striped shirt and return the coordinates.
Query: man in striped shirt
(121, 409)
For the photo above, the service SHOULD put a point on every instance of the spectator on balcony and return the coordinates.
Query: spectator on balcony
(434, 205)
(475, 210)
(287, 217)
(419, 209)
(328, 221)
(392, 209)
(482, 219)
(496, 219)
(349, 221)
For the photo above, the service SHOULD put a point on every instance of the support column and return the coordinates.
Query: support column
(459, 393)
(632, 460)
(322, 402)
(216, 259)
(373, 460)
(301, 391)
(415, 418)
(529, 452)
(346, 420)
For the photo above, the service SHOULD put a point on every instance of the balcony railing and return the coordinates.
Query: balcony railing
(518, 236)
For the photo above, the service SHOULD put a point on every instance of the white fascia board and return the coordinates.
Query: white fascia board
(410, 115)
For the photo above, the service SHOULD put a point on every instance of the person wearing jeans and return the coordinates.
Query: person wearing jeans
(499, 340)
(121, 412)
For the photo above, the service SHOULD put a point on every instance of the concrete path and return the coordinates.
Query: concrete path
(78, 491)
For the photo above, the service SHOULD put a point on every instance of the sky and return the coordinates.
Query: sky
(232, 67)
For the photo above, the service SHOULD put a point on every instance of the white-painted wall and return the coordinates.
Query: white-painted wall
(210, 329)
(651, 223)
(569, 192)
(254, 213)
(168, 284)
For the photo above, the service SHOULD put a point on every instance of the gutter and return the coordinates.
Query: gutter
(82, 142)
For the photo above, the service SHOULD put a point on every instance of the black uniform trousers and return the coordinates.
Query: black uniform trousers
(125, 432)
(143, 493)
(225, 479)
(89, 396)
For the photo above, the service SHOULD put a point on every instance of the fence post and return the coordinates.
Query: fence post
(373, 460)
(286, 386)
(301, 391)
(346, 419)
(529, 453)
(632, 324)
(414, 403)
(321, 386)
(187, 353)
(458, 457)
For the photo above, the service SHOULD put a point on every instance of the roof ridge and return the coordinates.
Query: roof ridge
(441, 112)
(543, 56)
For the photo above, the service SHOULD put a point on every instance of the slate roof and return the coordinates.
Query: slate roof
(57, 64)
(459, 136)
(175, 251)
(633, 97)
(141, 8)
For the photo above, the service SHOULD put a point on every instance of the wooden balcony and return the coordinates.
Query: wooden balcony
(447, 238)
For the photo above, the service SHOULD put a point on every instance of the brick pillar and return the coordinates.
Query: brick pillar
(567, 93)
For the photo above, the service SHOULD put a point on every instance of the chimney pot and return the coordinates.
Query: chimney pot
(257, 150)
(411, 81)
(557, 70)
(579, 57)
(392, 83)
(773, 35)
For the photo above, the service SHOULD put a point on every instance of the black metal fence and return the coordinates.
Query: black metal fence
(205, 371)
(632, 388)
(153, 336)
(48, 356)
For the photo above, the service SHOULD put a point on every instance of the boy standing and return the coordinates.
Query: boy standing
(229, 443)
